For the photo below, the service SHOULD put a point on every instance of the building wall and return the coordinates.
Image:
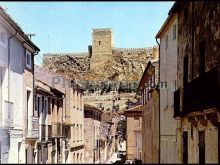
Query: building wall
(168, 74)
(150, 133)
(92, 132)
(89, 139)
(204, 27)
(75, 104)
(132, 126)
(138, 145)
(17, 61)
(211, 141)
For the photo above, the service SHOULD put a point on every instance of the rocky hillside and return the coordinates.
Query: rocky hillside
(124, 67)
(121, 67)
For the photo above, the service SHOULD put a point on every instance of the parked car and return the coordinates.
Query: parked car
(121, 156)
(137, 161)
(118, 162)
(129, 162)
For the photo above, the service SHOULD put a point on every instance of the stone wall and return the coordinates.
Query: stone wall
(199, 40)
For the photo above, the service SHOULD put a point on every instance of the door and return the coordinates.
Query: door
(185, 147)
(201, 147)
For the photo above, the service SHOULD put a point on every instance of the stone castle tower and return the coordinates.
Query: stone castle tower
(102, 46)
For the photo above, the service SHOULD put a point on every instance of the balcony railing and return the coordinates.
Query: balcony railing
(49, 132)
(33, 128)
(199, 94)
(43, 132)
(57, 130)
(67, 120)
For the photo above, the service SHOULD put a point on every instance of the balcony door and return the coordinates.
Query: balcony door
(185, 148)
(28, 107)
(201, 147)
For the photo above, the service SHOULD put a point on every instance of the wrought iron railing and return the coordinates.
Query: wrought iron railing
(32, 130)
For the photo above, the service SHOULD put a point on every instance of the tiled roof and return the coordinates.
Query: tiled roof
(87, 106)
(106, 117)
(136, 108)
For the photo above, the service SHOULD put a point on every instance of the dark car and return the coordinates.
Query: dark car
(137, 161)
(118, 162)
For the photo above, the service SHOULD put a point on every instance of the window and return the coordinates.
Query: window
(77, 130)
(202, 57)
(37, 107)
(3, 37)
(99, 42)
(74, 133)
(28, 59)
(81, 102)
(185, 14)
(77, 101)
(149, 96)
(45, 106)
(166, 42)
(28, 104)
(143, 96)
(185, 71)
(137, 121)
(174, 31)
(81, 131)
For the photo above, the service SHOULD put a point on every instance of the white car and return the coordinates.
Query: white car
(129, 162)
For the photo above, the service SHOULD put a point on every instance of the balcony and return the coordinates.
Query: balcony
(49, 132)
(200, 94)
(32, 131)
(57, 130)
(67, 120)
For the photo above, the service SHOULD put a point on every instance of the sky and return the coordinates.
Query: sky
(66, 27)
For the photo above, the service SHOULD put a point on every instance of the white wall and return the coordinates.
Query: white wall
(168, 73)
(16, 92)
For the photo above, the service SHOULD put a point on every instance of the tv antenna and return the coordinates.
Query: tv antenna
(31, 34)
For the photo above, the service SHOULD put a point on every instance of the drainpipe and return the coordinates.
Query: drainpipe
(159, 98)
(34, 92)
(9, 60)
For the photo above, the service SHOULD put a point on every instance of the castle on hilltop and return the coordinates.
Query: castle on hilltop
(106, 63)
(102, 50)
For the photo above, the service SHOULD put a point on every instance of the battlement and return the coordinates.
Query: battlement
(80, 54)
(134, 49)
(102, 30)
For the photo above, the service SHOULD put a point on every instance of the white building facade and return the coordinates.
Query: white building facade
(168, 36)
(16, 89)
